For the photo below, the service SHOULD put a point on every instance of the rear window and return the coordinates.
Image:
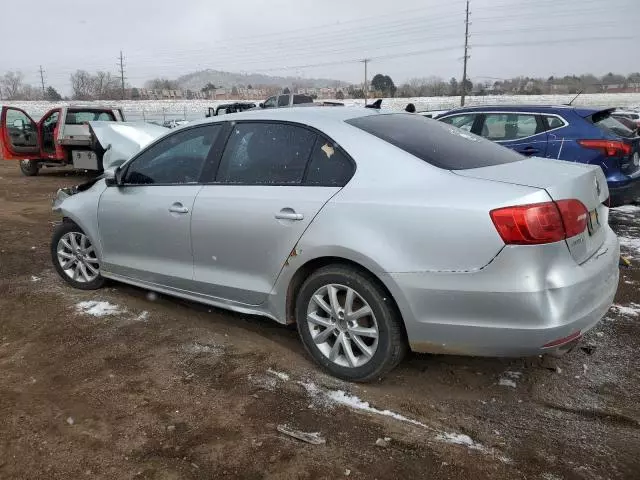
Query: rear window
(435, 142)
(78, 117)
(606, 122)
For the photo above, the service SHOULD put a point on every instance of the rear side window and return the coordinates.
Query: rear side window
(604, 121)
(328, 167)
(436, 143)
(266, 154)
(553, 122)
(510, 126)
(283, 101)
(298, 99)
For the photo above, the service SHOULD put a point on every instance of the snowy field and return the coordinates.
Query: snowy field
(158, 110)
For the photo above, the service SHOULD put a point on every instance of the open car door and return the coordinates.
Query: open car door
(19, 136)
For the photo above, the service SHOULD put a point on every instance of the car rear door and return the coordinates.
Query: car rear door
(144, 224)
(523, 132)
(247, 222)
(19, 134)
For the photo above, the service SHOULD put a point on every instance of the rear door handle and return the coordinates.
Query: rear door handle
(289, 214)
(529, 150)
(178, 208)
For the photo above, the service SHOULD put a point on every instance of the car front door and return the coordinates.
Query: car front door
(19, 134)
(248, 221)
(522, 132)
(145, 222)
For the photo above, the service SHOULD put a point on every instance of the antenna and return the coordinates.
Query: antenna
(579, 93)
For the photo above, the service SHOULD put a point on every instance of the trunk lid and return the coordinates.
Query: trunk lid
(561, 180)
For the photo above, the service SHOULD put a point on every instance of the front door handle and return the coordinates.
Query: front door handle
(178, 208)
(289, 214)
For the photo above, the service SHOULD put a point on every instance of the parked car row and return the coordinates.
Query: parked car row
(374, 232)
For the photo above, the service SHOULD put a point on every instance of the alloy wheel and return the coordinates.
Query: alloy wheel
(342, 325)
(77, 257)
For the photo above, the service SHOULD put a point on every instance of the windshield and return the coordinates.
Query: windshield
(606, 122)
(437, 143)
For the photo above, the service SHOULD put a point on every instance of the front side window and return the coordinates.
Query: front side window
(328, 167)
(510, 126)
(266, 154)
(464, 122)
(270, 102)
(176, 159)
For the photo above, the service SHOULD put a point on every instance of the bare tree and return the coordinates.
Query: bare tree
(82, 85)
(104, 86)
(12, 84)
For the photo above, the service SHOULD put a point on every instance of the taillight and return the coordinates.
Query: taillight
(574, 216)
(610, 148)
(539, 223)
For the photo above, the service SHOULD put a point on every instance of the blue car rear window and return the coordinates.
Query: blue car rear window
(436, 143)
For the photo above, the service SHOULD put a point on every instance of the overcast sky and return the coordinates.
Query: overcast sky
(319, 38)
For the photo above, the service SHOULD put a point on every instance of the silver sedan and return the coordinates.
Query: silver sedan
(375, 233)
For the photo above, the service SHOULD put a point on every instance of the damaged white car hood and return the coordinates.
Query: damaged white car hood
(122, 140)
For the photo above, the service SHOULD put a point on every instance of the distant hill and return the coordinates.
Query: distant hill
(197, 80)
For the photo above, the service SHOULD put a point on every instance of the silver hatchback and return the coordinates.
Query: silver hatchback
(376, 233)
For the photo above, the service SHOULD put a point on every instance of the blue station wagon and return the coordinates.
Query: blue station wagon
(575, 134)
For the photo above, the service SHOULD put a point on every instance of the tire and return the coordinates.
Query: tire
(378, 356)
(71, 248)
(29, 168)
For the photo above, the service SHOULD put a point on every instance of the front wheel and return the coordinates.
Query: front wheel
(74, 257)
(349, 324)
(30, 168)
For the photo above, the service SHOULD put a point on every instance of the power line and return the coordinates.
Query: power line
(42, 80)
(466, 56)
(122, 72)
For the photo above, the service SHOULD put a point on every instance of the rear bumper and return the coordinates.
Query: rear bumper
(529, 300)
(626, 194)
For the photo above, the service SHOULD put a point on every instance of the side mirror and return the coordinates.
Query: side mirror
(19, 124)
(261, 105)
(113, 177)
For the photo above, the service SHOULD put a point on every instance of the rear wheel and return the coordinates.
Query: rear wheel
(349, 325)
(30, 168)
(74, 257)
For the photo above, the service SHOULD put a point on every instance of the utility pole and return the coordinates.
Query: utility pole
(44, 93)
(366, 86)
(122, 72)
(466, 57)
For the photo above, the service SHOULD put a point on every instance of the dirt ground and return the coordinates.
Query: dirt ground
(164, 389)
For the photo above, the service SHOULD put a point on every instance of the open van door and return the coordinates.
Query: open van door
(19, 136)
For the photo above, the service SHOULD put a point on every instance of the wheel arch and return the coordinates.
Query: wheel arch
(305, 270)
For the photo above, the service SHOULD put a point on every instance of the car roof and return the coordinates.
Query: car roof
(305, 115)
(582, 111)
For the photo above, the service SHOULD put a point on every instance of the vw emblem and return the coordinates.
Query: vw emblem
(636, 159)
(597, 187)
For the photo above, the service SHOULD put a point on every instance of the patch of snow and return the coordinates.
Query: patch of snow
(35, 279)
(143, 317)
(460, 439)
(631, 209)
(343, 398)
(97, 308)
(263, 381)
(630, 243)
(281, 375)
(509, 378)
(196, 348)
(633, 310)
